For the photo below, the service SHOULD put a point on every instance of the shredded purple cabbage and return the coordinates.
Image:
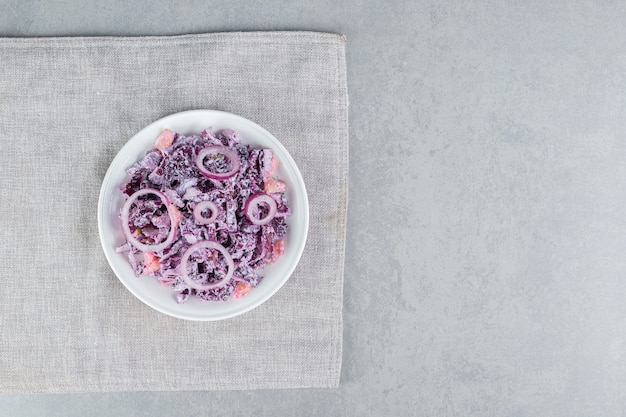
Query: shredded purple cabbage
(173, 171)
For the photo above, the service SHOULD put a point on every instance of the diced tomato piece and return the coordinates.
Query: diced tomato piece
(279, 249)
(165, 140)
(272, 186)
(241, 289)
(151, 263)
(178, 216)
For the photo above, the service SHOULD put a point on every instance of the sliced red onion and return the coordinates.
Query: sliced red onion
(253, 202)
(204, 205)
(126, 228)
(231, 155)
(210, 245)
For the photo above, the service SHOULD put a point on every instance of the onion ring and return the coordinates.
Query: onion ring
(253, 202)
(210, 245)
(231, 155)
(126, 228)
(200, 207)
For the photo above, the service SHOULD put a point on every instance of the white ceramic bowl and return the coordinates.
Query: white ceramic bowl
(147, 288)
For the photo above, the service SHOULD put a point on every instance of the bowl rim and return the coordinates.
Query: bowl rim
(286, 158)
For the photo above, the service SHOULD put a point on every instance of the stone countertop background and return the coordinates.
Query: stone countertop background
(485, 271)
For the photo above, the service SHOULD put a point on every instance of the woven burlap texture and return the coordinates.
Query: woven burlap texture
(67, 106)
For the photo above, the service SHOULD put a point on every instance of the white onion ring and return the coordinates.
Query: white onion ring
(211, 245)
(253, 201)
(126, 228)
(200, 207)
(232, 156)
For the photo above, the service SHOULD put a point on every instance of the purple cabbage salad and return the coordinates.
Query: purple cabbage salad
(204, 214)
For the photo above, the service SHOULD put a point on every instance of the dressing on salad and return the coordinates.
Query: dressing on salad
(204, 214)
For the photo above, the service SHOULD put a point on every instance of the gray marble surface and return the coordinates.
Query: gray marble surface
(486, 254)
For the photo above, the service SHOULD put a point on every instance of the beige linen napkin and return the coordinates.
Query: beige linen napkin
(67, 105)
